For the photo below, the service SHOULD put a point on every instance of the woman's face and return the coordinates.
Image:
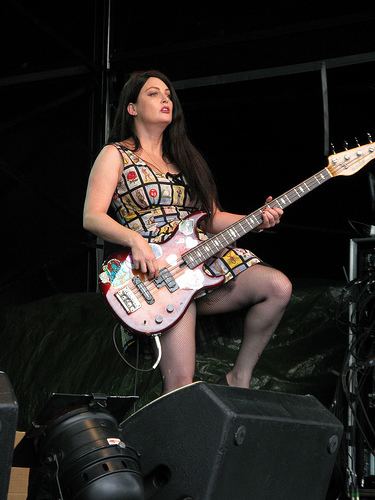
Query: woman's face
(153, 106)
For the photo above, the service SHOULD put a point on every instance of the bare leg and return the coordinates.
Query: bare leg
(177, 362)
(266, 292)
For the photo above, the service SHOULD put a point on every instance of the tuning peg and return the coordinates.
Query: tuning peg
(333, 148)
(356, 141)
(369, 137)
(346, 145)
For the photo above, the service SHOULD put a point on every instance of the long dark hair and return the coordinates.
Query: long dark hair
(176, 144)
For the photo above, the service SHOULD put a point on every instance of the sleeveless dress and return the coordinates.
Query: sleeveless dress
(153, 204)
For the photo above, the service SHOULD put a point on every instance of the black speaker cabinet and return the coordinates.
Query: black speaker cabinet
(211, 442)
(8, 426)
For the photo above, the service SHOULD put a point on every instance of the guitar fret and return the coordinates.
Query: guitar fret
(222, 240)
(205, 248)
(189, 260)
(209, 248)
(277, 201)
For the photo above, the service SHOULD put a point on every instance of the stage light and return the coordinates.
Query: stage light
(76, 451)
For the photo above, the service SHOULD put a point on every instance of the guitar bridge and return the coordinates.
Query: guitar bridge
(128, 300)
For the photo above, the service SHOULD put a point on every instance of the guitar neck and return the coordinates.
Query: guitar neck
(213, 245)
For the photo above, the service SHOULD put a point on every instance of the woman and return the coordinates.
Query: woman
(153, 177)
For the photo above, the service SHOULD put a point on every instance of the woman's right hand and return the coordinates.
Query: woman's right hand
(142, 255)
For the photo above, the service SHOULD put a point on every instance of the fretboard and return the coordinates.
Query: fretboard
(213, 245)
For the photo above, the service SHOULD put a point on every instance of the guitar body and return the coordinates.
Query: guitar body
(152, 306)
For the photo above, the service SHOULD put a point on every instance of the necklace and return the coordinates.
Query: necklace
(163, 170)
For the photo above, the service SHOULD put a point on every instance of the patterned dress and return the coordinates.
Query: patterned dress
(153, 204)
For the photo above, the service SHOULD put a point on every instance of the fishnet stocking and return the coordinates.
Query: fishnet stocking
(262, 289)
(266, 292)
(177, 364)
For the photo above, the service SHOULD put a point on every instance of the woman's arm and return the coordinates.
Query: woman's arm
(221, 220)
(103, 179)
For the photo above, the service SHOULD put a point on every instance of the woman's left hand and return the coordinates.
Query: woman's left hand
(271, 216)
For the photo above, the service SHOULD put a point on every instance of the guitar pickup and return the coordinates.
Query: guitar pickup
(166, 278)
(128, 300)
(143, 289)
(159, 281)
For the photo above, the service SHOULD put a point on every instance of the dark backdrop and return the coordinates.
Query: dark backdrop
(262, 130)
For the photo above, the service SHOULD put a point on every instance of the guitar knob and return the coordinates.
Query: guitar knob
(159, 319)
(170, 308)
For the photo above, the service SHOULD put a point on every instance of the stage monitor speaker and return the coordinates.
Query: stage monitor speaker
(211, 442)
(8, 427)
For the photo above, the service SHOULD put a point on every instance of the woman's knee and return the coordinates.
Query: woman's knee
(281, 287)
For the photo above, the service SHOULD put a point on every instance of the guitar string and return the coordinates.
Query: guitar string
(150, 284)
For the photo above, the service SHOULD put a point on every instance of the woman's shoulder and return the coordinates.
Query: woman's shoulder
(126, 145)
(115, 148)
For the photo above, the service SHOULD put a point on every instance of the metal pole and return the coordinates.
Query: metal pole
(352, 484)
(106, 105)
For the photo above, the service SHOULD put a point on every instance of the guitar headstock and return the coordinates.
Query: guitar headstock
(349, 161)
